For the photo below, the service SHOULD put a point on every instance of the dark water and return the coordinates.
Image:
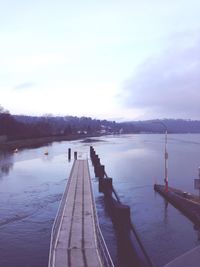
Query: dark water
(31, 185)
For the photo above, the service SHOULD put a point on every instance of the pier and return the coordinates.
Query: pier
(187, 203)
(76, 238)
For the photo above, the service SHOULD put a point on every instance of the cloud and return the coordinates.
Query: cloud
(24, 85)
(167, 85)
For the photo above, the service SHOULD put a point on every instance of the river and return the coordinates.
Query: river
(31, 185)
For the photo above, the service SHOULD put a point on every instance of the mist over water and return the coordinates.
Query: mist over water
(31, 185)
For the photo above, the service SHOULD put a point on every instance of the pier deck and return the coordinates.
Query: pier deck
(188, 204)
(75, 234)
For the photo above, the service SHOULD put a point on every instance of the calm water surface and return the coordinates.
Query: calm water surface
(31, 185)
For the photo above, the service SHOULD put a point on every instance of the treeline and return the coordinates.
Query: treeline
(23, 127)
(159, 126)
(16, 127)
(67, 125)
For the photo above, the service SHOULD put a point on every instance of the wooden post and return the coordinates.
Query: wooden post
(105, 185)
(96, 164)
(69, 154)
(122, 216)
(75, 155)
(92, 152)
(92, 155)
(100, 171)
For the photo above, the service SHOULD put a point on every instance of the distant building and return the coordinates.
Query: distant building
(82, 132)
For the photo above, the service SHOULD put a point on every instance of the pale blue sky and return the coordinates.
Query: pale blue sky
(105, 59)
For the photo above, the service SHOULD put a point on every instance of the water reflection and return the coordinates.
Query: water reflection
(6, 162)
(48, 157)
(197, 229)
(165, 211)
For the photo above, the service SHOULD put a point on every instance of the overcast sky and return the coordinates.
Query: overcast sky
(107, 59)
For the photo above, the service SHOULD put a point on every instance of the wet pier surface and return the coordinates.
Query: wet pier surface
(75, 243)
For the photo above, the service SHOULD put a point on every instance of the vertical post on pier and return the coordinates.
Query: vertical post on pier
(75, 155)
(199, 182)
(166, 158)
(69, 154)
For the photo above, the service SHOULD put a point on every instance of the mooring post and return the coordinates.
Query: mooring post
(96, 160)
(69, 154)
(75, 155)
(92, 155)
(100, 171)
(122, 215)
(105, 186)
(91, 151)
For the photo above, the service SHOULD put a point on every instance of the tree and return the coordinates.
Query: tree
(3, 110)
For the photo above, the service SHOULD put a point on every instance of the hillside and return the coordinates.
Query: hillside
(23, 127)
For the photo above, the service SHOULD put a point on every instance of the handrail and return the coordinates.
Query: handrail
(116, 195)
(55, 227)
(141, 246)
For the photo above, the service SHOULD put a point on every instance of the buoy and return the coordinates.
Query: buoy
(16, 150)
(46, 153)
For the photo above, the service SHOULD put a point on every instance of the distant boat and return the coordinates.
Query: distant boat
(16, 150)
(46, 153)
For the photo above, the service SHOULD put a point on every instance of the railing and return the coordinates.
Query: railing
(57, 220)
(102, 248)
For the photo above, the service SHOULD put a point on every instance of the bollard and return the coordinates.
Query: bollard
(92, 155)
(69, 154)
(96, 160)
(96, 167)
(92, 152)
(75, 155)
(100, 171)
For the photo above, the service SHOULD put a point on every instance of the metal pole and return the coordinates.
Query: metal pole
(166, 156)
(199, 182)
(166, 163)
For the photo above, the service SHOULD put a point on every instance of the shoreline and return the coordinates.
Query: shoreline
(40, 141)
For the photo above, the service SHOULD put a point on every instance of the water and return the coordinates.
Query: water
(31, 185)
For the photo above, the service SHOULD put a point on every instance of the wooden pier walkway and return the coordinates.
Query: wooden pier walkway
(76, 239)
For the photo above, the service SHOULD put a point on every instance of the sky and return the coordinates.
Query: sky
(110, 59)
